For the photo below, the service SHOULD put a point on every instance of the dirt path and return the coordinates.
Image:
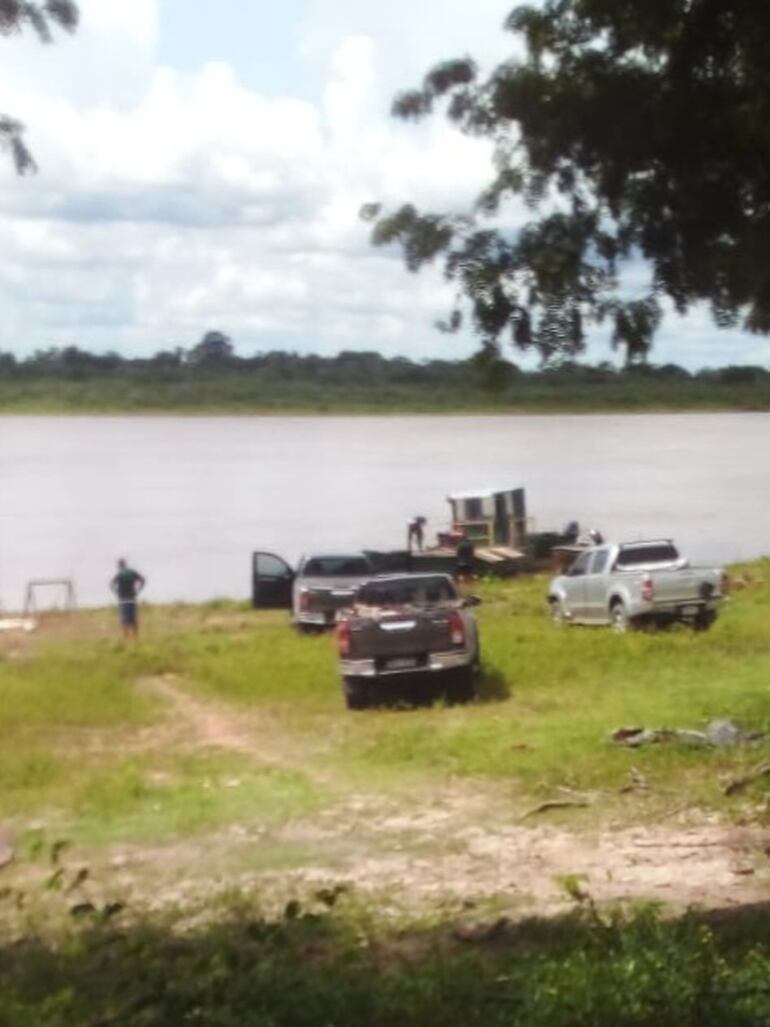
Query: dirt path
(200, 724)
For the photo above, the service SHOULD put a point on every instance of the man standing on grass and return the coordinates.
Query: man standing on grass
(127, 584)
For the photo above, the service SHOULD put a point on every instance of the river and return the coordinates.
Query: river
(186, 499)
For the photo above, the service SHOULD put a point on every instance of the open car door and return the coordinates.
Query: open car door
(271, 582)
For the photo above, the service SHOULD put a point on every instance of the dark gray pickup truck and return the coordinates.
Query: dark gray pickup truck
(408, 629)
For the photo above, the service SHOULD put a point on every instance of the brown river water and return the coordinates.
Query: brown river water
(186, 499)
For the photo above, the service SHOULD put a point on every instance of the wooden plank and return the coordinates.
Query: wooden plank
(507, 553)
(488, 556)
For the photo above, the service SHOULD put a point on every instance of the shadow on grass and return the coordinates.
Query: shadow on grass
(318, 966)
(492, 686)
(416, 691)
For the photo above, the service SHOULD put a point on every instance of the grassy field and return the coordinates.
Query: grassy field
(82, 726)
(209, 779)
(244, 391)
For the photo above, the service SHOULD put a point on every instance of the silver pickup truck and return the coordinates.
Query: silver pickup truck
(634, 584)
(322, 584)
(412, 630)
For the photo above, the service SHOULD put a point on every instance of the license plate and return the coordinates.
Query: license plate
(342, 593)
(402, 663)
(690, 611)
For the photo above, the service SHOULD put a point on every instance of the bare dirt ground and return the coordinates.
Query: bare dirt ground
(454, 849)
(461, 845)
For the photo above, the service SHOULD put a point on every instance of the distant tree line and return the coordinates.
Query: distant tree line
(211, 377)
(214, 356)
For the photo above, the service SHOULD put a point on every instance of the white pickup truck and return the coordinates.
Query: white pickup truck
(634, 584)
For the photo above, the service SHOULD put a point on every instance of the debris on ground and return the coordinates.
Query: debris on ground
(550, 804)
(739, 783)
(17, 624)
(7, 847)
(637, 782)
(718, 734)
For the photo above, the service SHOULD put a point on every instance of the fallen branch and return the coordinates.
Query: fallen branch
(739, 783)
(679, 845)
(7, 847)
(544, 807)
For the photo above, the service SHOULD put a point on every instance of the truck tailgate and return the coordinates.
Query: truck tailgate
(686, 585)
(328, 600)
(405, 633)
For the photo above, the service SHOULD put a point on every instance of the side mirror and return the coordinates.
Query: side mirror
(472, 601)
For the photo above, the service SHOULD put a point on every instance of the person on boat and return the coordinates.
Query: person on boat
(415, 535)
(464, 560)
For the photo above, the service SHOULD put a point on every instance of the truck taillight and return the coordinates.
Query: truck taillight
(648, 588)
(343, 638)
(304, 599)
(456, 628)
(725, 584)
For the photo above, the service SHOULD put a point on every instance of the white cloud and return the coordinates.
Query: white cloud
(137, 21)
(170, 203)
(202, 203)
(350, 87)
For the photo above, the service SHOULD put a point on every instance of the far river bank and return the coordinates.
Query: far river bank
(337, 389)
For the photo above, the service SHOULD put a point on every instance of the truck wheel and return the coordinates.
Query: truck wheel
(704, 620)
(619, 619)
(357, 693)
(460, 687)
(421, 692)
(557, 611)
(476, 663)
(308, 629)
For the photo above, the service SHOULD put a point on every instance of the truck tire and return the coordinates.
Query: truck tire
(358, 693)
(460, 686)
(476, 662)
(309, 629)
(619, 619)
(704, 620)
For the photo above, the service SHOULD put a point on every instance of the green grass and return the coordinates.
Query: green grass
(151, 799)
(329, 389)
(570, 688)
(310, 968)
(69, 687)
(54, 703)
(92, 754)
(76, 748)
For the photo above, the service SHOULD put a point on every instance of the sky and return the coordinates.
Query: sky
(202, 166)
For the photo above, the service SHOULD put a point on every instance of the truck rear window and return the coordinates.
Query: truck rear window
(657, 552)
(336, 567)
(407, 592)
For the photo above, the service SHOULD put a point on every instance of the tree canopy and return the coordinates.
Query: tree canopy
(214, 348)
(635, 136)
(42, 18)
